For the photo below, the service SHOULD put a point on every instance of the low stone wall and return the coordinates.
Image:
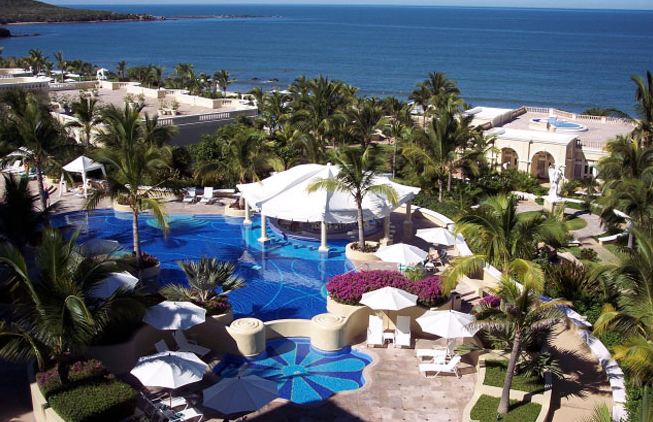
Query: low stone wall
(147, 92)
(542, 398)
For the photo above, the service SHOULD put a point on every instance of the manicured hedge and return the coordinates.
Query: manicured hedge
(104, 400)
(79, 372)
(348, 288)
(485, 410)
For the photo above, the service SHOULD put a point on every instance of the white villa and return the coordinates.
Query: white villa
(531, 139)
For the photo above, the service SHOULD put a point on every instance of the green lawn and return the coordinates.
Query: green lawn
(485, 410)
(495, 373)
(575, 223)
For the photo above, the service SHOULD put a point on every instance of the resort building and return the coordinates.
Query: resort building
(532, 139)
(11, 78)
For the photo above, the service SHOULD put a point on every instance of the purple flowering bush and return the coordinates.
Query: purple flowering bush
(493, 301)
(348, 288)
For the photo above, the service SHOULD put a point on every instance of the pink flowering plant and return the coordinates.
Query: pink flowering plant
(83, 370)
(492, 301)
(348, 288)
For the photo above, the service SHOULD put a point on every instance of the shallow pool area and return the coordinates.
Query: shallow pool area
(560, 125)
(303, 374)
(284, 278)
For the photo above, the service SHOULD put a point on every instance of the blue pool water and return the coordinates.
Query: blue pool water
(303, 374)
(284, 279)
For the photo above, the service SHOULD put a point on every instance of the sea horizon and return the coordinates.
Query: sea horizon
(501, 56)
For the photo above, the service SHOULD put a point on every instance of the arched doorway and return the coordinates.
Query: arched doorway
(509, 159)
(540, 164)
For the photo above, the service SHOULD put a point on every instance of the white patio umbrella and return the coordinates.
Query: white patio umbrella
(447, 324)
(81, 165)
(402, 253)
(439, 235)
(95, 247)
(169, 369)
(388, 299)
(170, 315)
(240, 394)
(115, 281)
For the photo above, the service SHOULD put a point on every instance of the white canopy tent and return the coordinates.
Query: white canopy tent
(82, 165)
(239, 394)
(285, 195)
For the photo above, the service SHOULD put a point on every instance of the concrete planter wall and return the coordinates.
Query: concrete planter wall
(150, 273)
(234, 212)
(121, 208)
(355, 255)
(543, 398)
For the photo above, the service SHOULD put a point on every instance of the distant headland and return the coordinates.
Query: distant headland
(29, 11)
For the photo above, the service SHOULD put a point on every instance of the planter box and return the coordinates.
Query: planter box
(233, 212)
(355, 255)
(150, 273)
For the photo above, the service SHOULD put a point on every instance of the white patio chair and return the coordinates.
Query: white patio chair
(190, 196)
(185, 345)
(438, 356)
(186, 415)
(449, 368)
(161, 346)
(402, 331)
(375, 331)
(207, 197)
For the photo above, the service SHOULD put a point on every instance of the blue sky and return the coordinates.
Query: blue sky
(576, 4)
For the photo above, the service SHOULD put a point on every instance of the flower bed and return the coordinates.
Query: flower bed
(91, 394)
(348, 288)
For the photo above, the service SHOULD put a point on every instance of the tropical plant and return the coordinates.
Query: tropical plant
(204, 276)
(87, 115)
(223, 79)
(356, 176)
(121, 69)
(422, 97)
(364, 118)
(131, 160)
(61, 63)
(644, 107)
(632, 314)
(607, 112)
(442, 90)
(522, 313)
(37, 61)
(54, 315)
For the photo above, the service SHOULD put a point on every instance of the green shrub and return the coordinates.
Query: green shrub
(79, 372)
(575, 223)
(103, 400)
(589, 254)
(485, 410)
(539, 201)
(495, 374)
(509, 180)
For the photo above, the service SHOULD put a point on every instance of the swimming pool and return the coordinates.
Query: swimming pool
(303, 374)
(284, 278)
(560, 125)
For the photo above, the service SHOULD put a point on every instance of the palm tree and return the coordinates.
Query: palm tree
(21, 221)
(441, 89)
(204, 277)
(54, 317)
(364, 118)
(156, 73)
(422, 97)
(61, 63)
(121, 69)
(644, 107)
(356, 176)
(632, 314)
(274, 110)
(88, 116)
(223, 78)
(521, 310)
(398, 127)
(500, 237)
(29, 125)
(37, 60)
(132, 161)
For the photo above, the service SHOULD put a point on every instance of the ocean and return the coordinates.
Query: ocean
(571, 59)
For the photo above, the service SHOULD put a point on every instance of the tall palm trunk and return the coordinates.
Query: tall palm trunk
(440, 189)
(136, 235)
(361, 224)
(41, 186)
(449, 180)
(510, 373)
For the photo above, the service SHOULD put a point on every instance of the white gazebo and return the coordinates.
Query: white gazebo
(82, 165)
(285, 196)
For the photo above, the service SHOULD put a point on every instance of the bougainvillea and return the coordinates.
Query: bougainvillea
(348, 288)
(492, 301)
(49, 380)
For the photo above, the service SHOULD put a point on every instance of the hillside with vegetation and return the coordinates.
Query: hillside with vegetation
(15, 11)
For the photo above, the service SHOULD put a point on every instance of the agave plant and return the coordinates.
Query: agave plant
(205, 278)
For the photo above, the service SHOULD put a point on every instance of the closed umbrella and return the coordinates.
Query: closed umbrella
(447, 324)
(169, 315)
(169, 369)
(388, 299)
(240, 394)
(440, 236)
(402, 253)
(115, 281)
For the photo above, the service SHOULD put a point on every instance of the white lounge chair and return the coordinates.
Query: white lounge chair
(438, 356)
(187, 346)
(375, 331)
(449, 368)
(207, 197)
(190, 196)
(402, 331)
(186, 415)
(161, 346)
(15, 167)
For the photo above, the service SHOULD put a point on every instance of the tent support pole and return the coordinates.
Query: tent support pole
(248, 220)
(323, 238)
(264, 229)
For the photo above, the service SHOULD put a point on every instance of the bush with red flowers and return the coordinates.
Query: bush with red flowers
(348, 288)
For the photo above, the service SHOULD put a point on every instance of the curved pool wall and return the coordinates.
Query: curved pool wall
(284, 277)
(557, 124)
(303, 374)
